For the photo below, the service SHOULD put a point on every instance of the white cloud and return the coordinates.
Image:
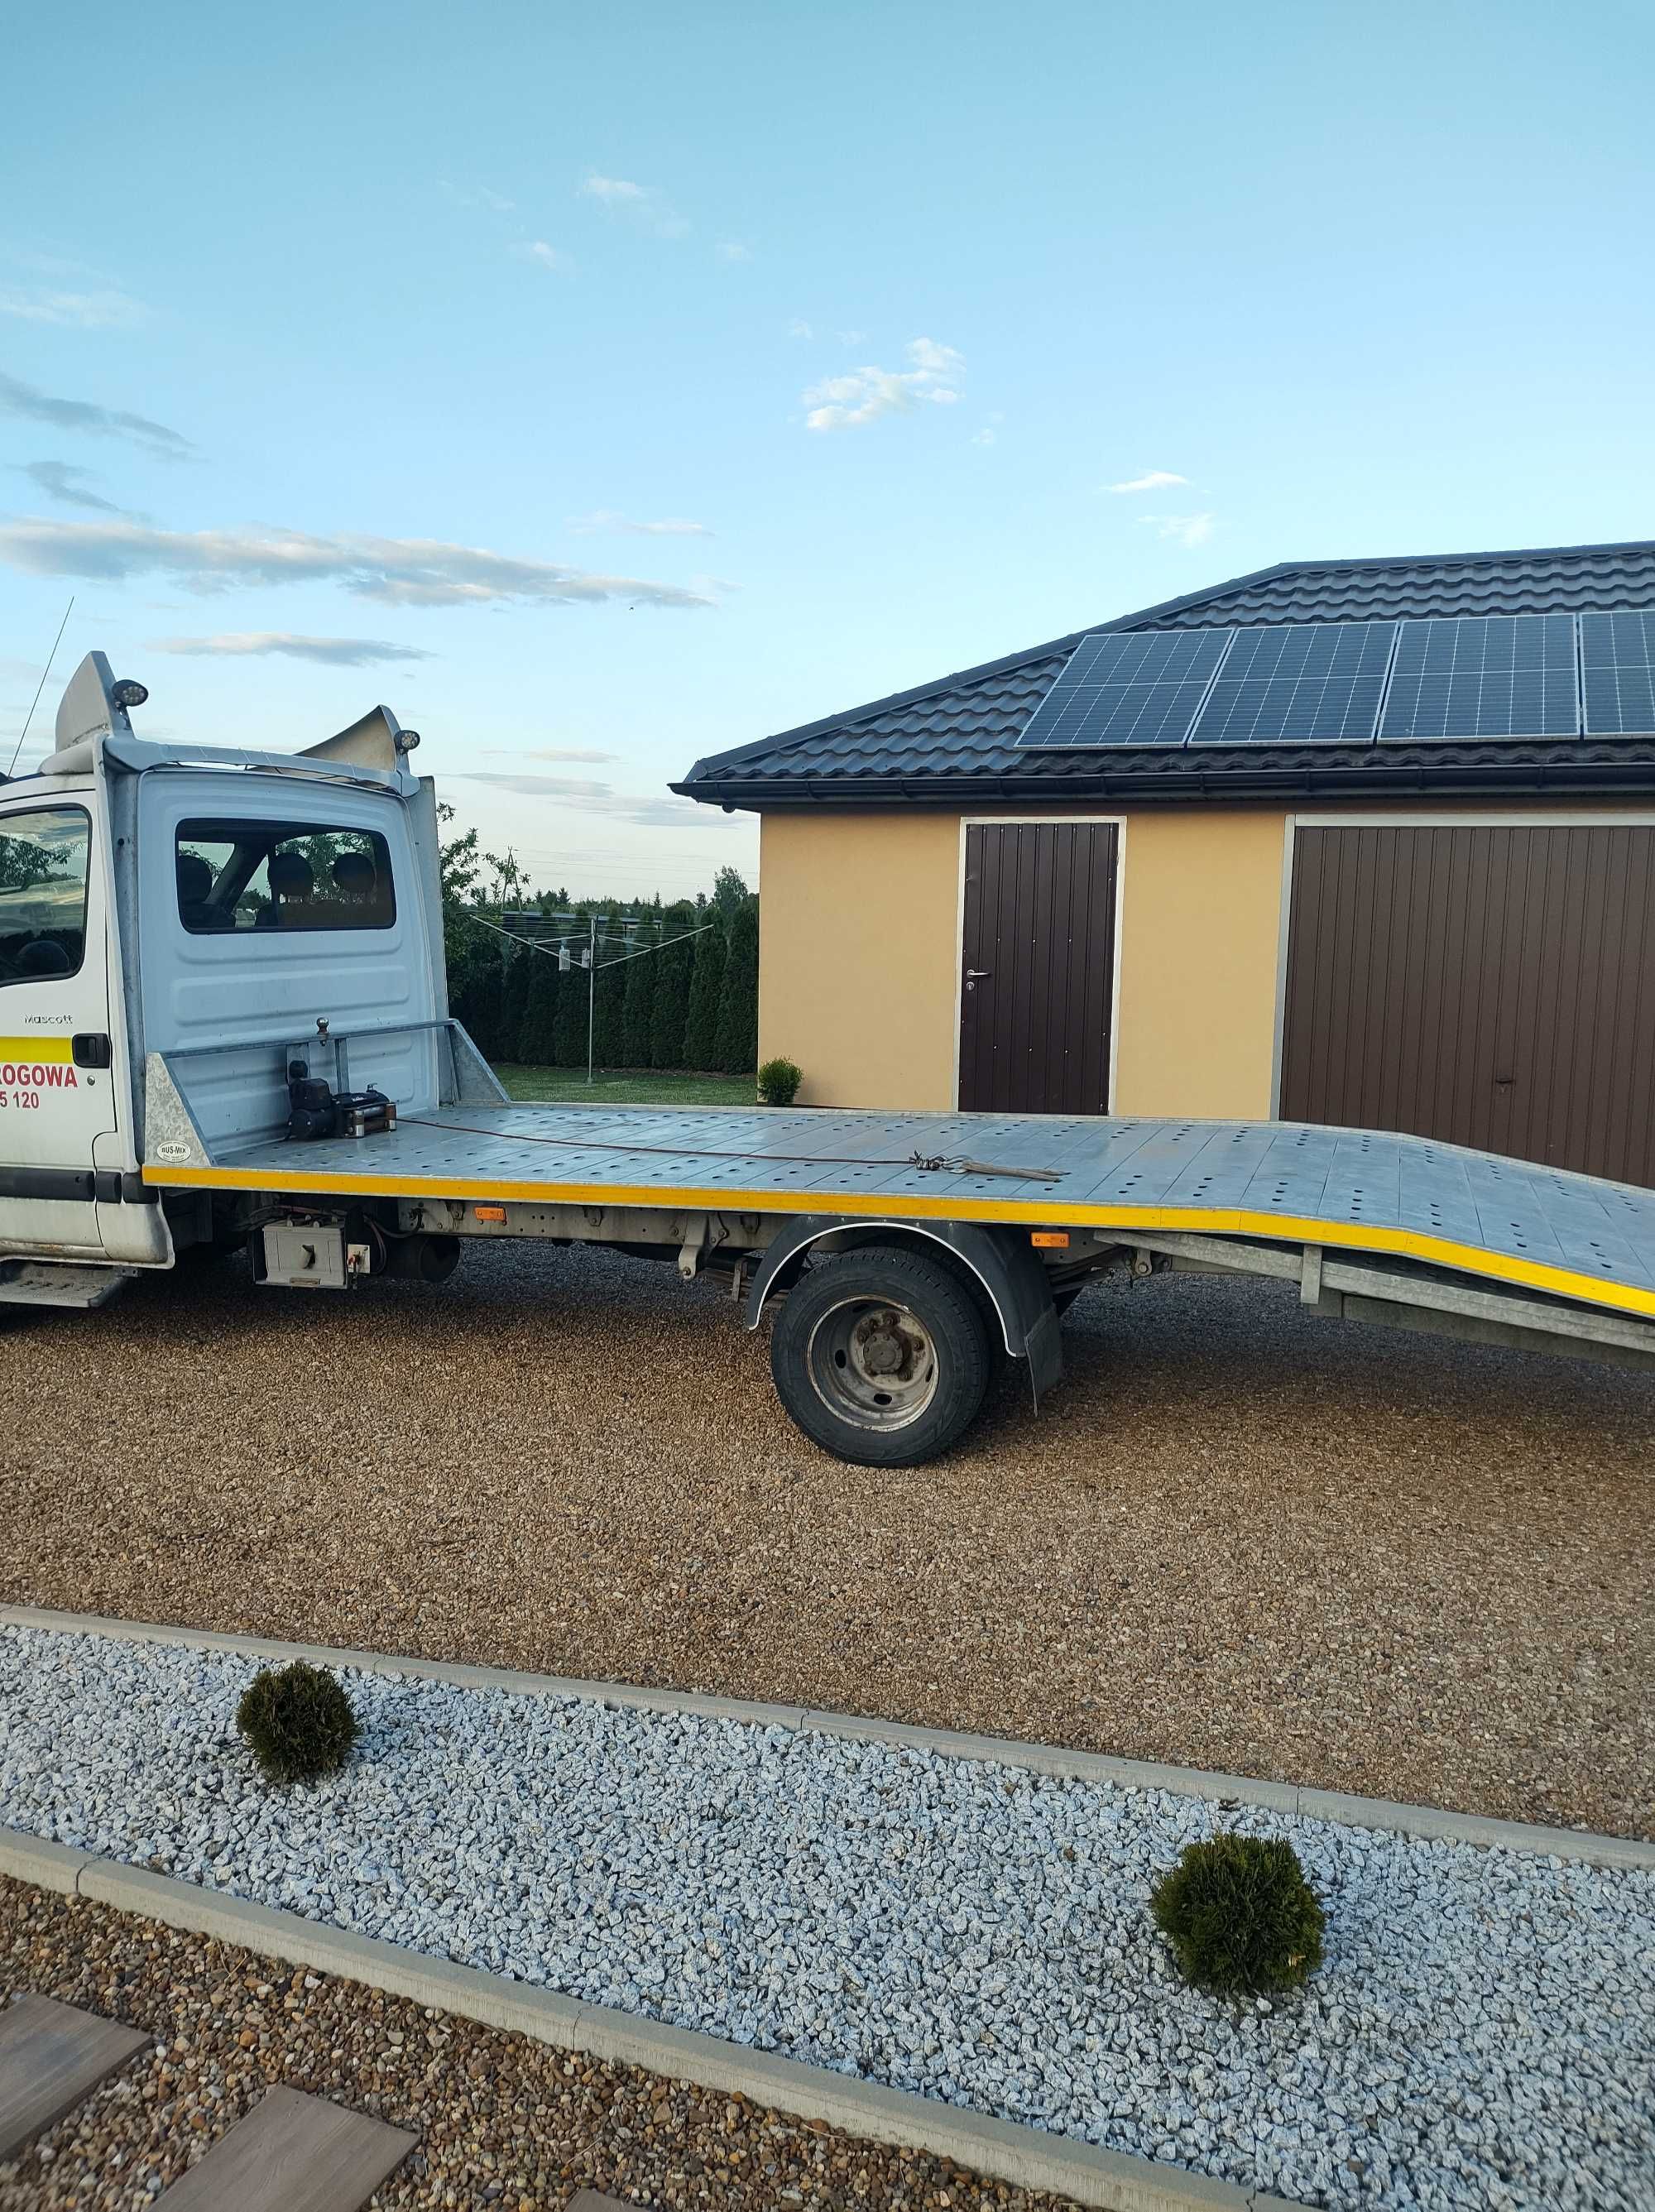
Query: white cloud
(546, 256)
(732, 249)
(606, 519)
(1190, 530)
(67, 484)
(539, 786)
(862, 395)
(799, 328)
(983, 438)
(641, 203)
(81, 310)
(335, 652)
(1152, 480)
(408, 571)
(648, 813)
(22, 399)
(571, 754)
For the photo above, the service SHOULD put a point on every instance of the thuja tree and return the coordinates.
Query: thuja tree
(515, 999)
(706, 990)
(673, 965)
(641, 981)
(608, 1021)
(737, 1043)
(536, 1040)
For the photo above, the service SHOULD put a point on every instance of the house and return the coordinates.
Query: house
(1366, 842)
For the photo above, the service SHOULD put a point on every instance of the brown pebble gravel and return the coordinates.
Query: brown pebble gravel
(1237, 1537)
(505, 2125)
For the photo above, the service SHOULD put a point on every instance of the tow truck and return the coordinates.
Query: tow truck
(224, 1022)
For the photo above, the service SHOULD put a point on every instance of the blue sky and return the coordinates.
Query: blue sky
(668, 375)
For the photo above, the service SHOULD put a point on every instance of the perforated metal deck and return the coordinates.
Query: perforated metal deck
(1567, 1235)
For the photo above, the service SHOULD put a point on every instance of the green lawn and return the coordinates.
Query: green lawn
(635, 1086)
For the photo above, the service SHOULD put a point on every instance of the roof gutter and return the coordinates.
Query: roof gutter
(1525, 779)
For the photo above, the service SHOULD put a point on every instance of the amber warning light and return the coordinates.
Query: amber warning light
(1049, 1239)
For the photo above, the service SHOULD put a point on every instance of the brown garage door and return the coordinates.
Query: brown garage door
(1038, 974)
(1493, 986)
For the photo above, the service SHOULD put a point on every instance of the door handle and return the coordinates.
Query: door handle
(978, 975)
(89, 1049)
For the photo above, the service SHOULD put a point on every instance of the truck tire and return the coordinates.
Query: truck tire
(881, 1354)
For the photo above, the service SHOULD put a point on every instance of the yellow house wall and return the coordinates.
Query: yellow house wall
(859, 946)
(1201, 915)
(858, 974)
(859, 924)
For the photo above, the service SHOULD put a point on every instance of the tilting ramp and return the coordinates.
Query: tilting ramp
(1506, 1221)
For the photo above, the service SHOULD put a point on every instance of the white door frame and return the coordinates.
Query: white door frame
(1571, 818)
(1119, 823)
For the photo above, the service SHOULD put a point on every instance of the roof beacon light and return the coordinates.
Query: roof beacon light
(127, 693)
(406, 740)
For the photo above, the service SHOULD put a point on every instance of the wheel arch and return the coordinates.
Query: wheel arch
(1000, 1261)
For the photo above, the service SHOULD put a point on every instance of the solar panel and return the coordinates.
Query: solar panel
(1309, 683)
(1617, 657)
(1129, 688)
(1506, 676)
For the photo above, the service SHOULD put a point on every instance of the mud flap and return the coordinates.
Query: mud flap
(1002, 1260)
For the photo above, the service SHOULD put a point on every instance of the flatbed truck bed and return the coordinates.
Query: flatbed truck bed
(1506, 1221)
(207, 1046)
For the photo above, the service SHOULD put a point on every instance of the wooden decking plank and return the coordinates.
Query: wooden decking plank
(52, 2054)
(293, 2153)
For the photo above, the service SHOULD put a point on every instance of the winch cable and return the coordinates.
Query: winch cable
(927, 1162)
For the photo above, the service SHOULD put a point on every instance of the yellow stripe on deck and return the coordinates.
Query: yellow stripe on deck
(1219, 1221)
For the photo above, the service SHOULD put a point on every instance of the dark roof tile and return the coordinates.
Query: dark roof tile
(965, 727)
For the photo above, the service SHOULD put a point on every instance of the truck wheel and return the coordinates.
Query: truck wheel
(881, 1355)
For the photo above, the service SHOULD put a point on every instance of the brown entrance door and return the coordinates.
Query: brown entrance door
(1038, 967)
(1493, 986)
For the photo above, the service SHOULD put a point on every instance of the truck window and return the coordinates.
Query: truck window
(43, 867)
(234, 874)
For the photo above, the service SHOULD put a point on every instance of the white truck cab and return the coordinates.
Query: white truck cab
(182, 900)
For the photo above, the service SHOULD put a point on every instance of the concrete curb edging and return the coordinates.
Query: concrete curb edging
(1003, 2150)
(1429, 1823)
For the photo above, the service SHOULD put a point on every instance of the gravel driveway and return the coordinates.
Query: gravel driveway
(1238, 1537)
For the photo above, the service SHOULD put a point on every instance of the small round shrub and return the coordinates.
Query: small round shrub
(779, 1081)
(1240, 1916)
(298, 1722)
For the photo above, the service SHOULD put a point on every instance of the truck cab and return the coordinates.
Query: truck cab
(204, 904)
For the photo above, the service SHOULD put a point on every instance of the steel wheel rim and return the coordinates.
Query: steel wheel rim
(872, 1363)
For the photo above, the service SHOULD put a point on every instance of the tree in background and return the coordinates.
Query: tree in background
(737, 1039)
(678, 1006)
(642, 980)
(729, 891)
(536, 1043)
(673, 965)
(514, 999)
(471, 953)
(608, 1018)
(569, 1035)
(706, 990)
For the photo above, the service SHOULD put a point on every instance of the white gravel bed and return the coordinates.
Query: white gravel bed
(1482, 2033)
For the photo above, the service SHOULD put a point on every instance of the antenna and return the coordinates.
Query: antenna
(42, 685)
